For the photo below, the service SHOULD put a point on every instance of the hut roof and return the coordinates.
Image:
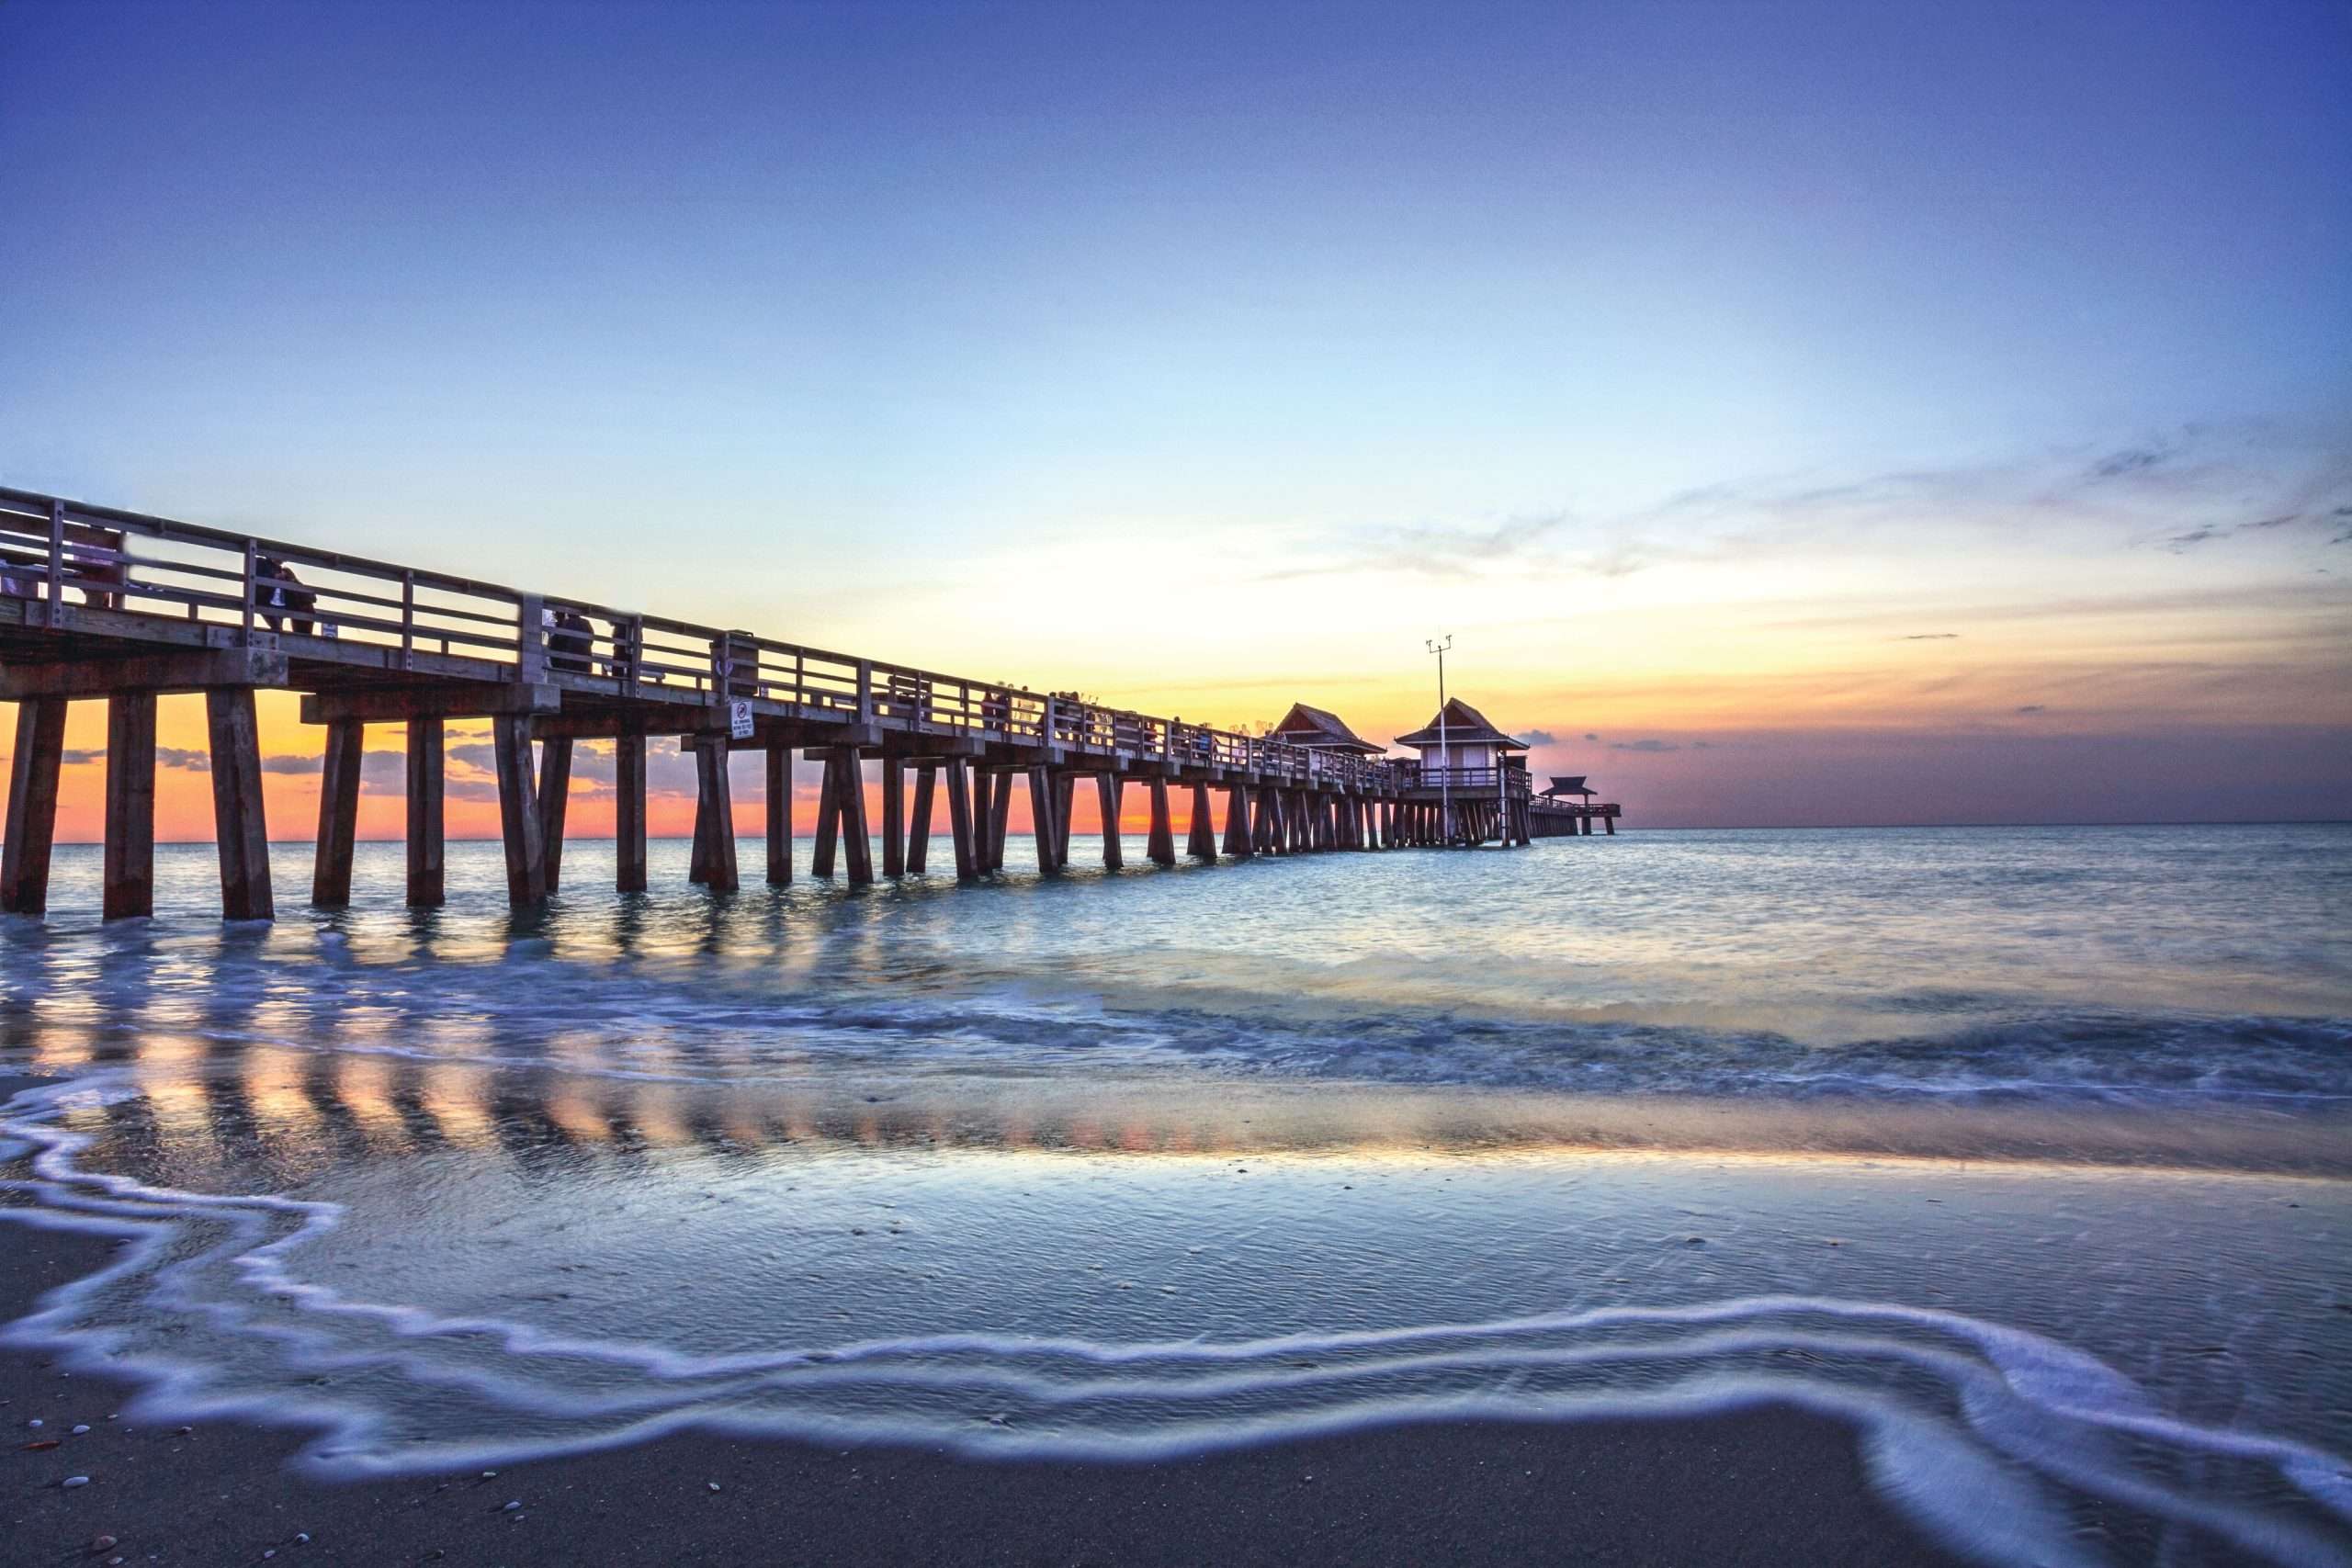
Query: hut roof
(1465, 725)
(1570, 784)
(1305, 726)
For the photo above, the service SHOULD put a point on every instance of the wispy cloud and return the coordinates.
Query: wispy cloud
(2194, 486)
(1653, 746)
(1929, 637)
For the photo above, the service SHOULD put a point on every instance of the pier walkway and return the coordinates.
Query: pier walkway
(102, 604)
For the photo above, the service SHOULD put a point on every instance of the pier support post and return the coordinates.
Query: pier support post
(1106, 797)
(519, 810)
(918, 822)
(32, 805)
(1200, 838)
(1162, 846)
(857, 840)
(1000, 815)
(959, 820)
(779, 814)
(1236, 821)
(1610, 823)
(1042, 800)
(424, 818)
(130, 806)
(629, 813)
(237, 821)
(894, 818)
(1065, 796)
(338, 811)
(555, 800)
(716, 813)
(829, 816)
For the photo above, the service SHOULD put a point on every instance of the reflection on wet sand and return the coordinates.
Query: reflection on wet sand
(228, 1104)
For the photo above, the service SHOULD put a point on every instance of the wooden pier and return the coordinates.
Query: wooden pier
(1567, 809)
(100, 603)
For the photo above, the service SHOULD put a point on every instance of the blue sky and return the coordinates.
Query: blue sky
(849, 322)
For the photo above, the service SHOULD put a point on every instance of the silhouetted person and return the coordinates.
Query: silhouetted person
(95, 556)
(268, 596)
(569, 645)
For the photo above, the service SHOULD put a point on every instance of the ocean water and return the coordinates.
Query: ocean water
(2022, 1150)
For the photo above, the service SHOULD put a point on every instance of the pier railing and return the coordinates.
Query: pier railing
(72, 563)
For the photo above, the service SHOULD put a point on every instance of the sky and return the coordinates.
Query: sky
(1797, 413)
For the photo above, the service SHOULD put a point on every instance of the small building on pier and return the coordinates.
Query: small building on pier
(1323, 730)
(1461, 745)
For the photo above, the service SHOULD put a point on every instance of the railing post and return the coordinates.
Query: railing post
(408, 619)
(531, 638)
(246, 626)
(865, 691)
(56, 559)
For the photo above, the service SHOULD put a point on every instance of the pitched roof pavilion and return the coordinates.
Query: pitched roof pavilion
(1465, 725)
(1305, 726)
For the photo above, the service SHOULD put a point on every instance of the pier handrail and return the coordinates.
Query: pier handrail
(442, 623)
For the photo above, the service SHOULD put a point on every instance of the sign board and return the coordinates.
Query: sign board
(739, 719)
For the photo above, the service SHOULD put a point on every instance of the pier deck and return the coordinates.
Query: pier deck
(98, 602)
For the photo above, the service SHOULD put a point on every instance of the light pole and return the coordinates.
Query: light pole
(1444, 765)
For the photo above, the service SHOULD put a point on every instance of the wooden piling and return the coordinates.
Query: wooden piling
(1065, 796)
(1000, 816)
(716, 789)
(338, 809)
(1236, 821)
(829, 815)
(779, 814)
(855, 839)
(629, 815)
(425, 859)
(519, 810)
(555, 800)
(919, 823)
(1042, 800)
(1107, 790)
(894, 818)
(32, 805)
(1162, 846)
(1200, 838)
(129, 858)
(242, 835)
(959, 820)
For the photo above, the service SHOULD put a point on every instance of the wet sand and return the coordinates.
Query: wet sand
(1765, 1487)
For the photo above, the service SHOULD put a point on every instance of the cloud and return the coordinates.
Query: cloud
(2196, 485)
(75, 757)
(1589, 735)
(185, 758)
(1540, 738)
(1928, 637)
(2130, 460)
(2031, 708)
(296, 764)
(1643, 745)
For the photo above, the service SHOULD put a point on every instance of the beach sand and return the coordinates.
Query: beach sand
(1764, 1487)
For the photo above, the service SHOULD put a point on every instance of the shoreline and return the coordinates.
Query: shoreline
(1768, 1486)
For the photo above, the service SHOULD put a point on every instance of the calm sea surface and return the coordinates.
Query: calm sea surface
(2025, 1151)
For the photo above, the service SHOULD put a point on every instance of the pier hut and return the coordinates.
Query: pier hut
(1322, 730)
(1567, 809)
(1475, 775)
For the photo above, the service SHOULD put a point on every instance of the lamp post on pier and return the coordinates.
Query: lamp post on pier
(1444, 762)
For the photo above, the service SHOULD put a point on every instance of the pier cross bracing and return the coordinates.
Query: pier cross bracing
(98, 602)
